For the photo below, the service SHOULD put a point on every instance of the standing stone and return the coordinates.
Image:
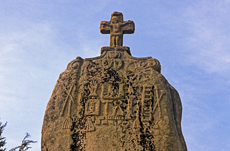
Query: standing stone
(114, 102)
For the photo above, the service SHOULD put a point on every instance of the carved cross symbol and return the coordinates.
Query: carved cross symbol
(66, 100)
(116, 27)
(162, 92)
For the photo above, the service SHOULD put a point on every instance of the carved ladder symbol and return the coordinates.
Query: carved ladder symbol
(68, 121)
(146, 103)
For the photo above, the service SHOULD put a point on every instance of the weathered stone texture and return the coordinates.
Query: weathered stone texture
(114, 102)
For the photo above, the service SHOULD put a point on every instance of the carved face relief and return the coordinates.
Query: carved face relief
(114, 54)
(114, 19)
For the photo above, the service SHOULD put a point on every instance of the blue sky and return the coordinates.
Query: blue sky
(190, 39)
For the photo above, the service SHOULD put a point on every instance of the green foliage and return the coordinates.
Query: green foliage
(23, 147)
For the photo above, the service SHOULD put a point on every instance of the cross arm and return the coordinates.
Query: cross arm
(128, 27)
(105, 27)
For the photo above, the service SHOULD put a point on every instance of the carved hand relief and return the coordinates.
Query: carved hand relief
(93, 88)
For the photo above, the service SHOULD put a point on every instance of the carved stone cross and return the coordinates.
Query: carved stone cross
(116, 27)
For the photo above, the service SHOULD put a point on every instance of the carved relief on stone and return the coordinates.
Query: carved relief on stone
(159, 94)
(114, 55)
(93, 69)
(93, 88)
(113, 102)
(147, 103)
(69, 100)
(116, 27)
(106, 106)
(154, 64)
(72, 70)
(89, 126)
(92, 107)
(129, 109)
(112, 88)
(117, 110)
(138, 71)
